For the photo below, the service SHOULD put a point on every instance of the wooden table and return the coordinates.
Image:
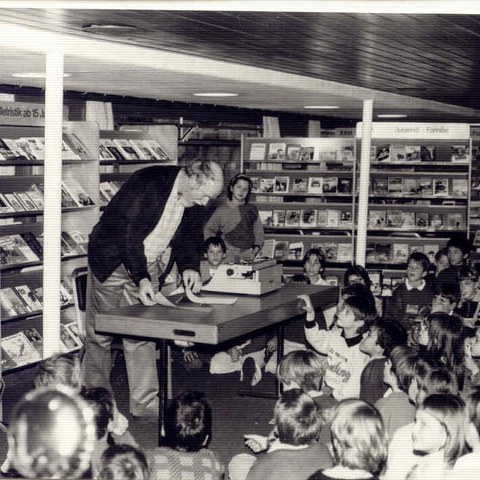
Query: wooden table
(212, 325)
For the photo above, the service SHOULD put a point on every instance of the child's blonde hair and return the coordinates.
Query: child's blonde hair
(304, 367)
(123, 462)
(358, 436)
(60, 369)
(450, 411)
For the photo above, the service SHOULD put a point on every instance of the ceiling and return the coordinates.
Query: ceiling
(423, 65)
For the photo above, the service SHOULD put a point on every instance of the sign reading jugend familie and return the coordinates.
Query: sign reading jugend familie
(406, 130)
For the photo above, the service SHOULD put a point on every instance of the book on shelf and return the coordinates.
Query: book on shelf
(435, 221)
(67, 200)
(65, 296)
(415, 248)
(327, 155)
(281, 250)
(330, 185)
(407, 219)
(11, 304)
(321, 218)
(397, 153)
(430, 251)
(257, 151)
(400, 252)
(292, 218)
(377, 218)
(307, 154)
(380, 186)
(315, 185)
(278, 218)
(455, 221)
(143, 151)
(25, 200)
(36, 196)
(17, 151)
(459, 187)
(14, 250)
(276, 151)
(5, 206)
(76, 146)
(440, 187)
(425, 186)
(5, 152)
(77, 192)
(107, 190)
(105, 153)
(265, 217)
(156, 149)
(393, 219)
(300, 185)
(267, 185)
(346, 218)
(34, 147)
(110, 146)
(382, 153)
(344, 252)
(71, 246)
(268, 249)
(281, 184)
(330, 250)
(459, 153)
(428, 153)
(345, 185)
(19, 349)
(255, 184)
(34, 338)
(33, 242)
(395, 185)
(333, 218)
(383, 252)
(410, 186)
(14, 202)
(296, 251)
(308, 218)
(126, 149)
(293, 152)
(28, 297)
(74, 331)
(412, 153)
(347, 154)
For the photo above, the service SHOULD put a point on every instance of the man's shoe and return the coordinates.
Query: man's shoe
(248, 370)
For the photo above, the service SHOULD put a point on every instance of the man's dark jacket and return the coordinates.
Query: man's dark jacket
(130, 217)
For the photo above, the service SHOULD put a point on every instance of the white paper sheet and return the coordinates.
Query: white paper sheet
(209, 299)
(162, 300)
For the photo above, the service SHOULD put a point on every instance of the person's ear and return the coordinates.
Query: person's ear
(359, 324)
(424, 274)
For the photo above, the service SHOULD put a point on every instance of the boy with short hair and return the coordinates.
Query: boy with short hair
(382, 337)
(458, 251)
(468, 308)
(447, 298)
(214, 252)
(409, 297)
(345, 361)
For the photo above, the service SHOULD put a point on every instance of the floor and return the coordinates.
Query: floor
(233, 415)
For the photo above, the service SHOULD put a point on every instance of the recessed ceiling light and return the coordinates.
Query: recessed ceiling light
(35, 75)
(391, 115)
(322, 107)
(108, 28)
(216, 94)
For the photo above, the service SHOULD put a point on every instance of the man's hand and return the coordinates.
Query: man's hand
(256, 443)
(145, 292)
(192, 280)
(307, 306)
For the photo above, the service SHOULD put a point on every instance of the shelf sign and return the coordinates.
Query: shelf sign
(25, 114)
(344, 132)
(405, 130)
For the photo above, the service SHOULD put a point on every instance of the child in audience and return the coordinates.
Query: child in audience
(66, 369)
(439, 434)
(345, 361)
(441, 261)
(100, 401)
(395, 408)
(214, 251)
(294, 453)
(445, 341)
(468, 308)
(458, 251)
(447, 298)
(358, 274)
(359, 443)
(377, 343)
(314, 267)
(51, 434)
(123, 462)
(237, 222)
(413, 294)
(188, 429)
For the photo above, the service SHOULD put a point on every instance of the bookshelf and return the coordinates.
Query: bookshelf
(21, 233)
(475, 187)
(419, 192)
(303, 189)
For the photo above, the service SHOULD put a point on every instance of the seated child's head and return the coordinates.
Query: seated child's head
(447, 298)
(417, 268)
(101, 402)
(382, 337)
(357, 274)
(437, 380)
(475, 343)
(61, 369)
(441, 260)
(355, 314)
(214, 250)
(358, 436)
(123, 462)
(188, 423)
(468, 281)
(473, 409)
(399, 368)
(51, 434)
(240, 187)
(440, 423)
(314, 262)
(458, 250)
(302, 369)
(297, 418)
(355, 290)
